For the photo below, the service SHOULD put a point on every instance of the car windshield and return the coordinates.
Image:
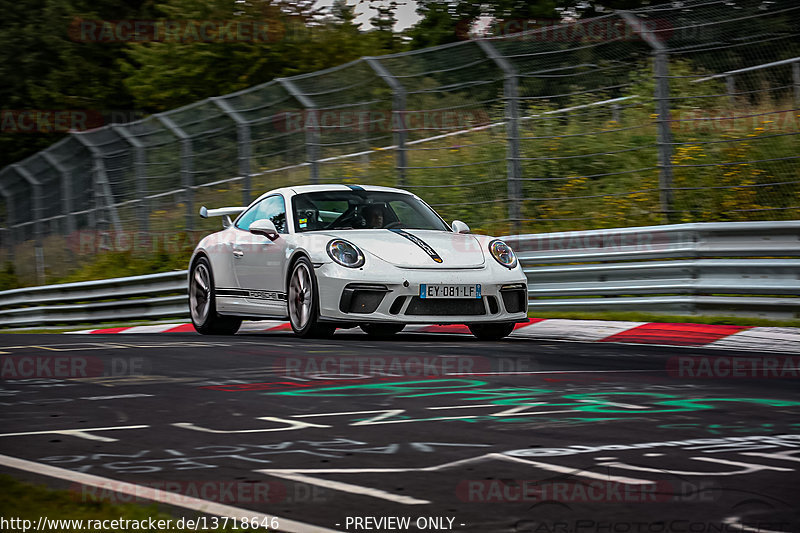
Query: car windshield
(361, 209)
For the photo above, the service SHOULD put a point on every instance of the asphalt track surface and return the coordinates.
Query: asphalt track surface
(443, 430)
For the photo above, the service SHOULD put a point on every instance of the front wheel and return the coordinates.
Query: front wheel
(203, 306)
(303, 302)
(382, 331)
(491, 332)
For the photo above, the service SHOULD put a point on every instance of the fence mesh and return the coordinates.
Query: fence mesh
(661, 115)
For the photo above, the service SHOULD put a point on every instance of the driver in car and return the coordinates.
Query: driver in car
(374, 216)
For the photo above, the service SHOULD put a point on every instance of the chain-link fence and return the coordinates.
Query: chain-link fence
(677, 113)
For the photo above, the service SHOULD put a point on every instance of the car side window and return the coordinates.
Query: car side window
(271, 208)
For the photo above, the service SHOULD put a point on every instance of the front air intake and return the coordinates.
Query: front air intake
(515, 299)
(445, 307)
(362, 298)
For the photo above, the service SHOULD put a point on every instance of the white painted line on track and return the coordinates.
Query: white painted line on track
(301, 474)
(616, 404)
(352, 489)
(82, 433)
(583, 473)
(735, 521)
(156, 495)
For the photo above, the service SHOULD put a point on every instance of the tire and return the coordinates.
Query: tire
(203, 305)
(382, 331)
(491, 332)
(302, 302)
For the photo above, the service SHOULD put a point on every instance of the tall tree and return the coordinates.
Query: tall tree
(383, 21)
(44, 65)
(445, 21)
(163, 75)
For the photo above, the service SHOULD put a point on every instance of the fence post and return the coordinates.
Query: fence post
(140, 173)
(66, 192)
(11, 241)
(398, 115)
(730, 88)
(661, 74)
(511, 97)
(311, 126)
(187, 160)
(243, 143)
(102, 190)
(38, 211)
(796, 82)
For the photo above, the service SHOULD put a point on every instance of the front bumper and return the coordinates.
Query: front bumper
(392, 296)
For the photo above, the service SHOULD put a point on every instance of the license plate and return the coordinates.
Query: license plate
(430, 291)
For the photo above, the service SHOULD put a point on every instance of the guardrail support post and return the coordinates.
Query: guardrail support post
(398, 116)
(187, 160)
(664, 120)
(511, 97)
(66, 192)
(311, 125)
(243, 143)
(38, 212)
(140, 172)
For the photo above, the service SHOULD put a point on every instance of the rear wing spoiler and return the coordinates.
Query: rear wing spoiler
(224, 212)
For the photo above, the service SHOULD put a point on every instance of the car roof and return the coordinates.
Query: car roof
(301, 189)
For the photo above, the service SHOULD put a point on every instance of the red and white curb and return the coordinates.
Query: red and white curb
(763, 339)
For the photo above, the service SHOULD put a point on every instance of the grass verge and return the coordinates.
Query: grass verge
(27, 501)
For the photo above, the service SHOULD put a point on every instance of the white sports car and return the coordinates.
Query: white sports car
(329, 256)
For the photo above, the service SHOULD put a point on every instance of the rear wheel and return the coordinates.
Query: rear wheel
(303, 302)
(382, 330)
(491, 332)
(203, 306)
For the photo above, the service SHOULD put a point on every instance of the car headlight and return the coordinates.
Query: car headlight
(345, 253)
(503, 253)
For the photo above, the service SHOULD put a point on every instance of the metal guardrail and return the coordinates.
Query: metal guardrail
(733, 268)
(150, 296)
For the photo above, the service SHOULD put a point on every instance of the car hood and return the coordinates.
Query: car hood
(419, 248)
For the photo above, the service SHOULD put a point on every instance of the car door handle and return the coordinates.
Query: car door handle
(238, 253)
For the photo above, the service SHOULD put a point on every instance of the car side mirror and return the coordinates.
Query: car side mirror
(459, 227)
(264, 227)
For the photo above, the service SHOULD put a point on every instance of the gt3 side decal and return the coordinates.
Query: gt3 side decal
(419, 242)
(252, 294)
